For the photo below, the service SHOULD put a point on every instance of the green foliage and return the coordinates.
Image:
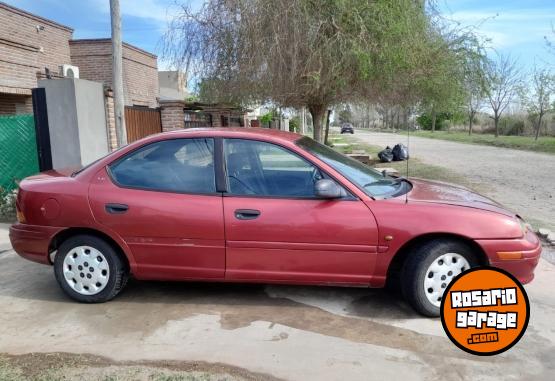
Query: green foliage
(192, 98)
(267, 118)
(511, 125)
(424, 120)
(345, 115)
(295, 124)
(7, 205)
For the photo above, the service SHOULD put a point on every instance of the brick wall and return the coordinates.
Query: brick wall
(140, 70)
(110, 120)
(172, 115)
(11, 104)
(28, 44)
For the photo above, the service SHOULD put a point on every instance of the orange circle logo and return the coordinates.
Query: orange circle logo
(485, 311)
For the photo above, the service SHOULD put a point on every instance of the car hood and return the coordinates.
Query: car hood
(451, 194)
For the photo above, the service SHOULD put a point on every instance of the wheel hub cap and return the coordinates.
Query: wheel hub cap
(440, 273)
(86, 270)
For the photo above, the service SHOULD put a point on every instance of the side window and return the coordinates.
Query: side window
(178, 165)
(265, 169)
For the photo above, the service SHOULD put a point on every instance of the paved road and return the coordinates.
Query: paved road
(522, 181)
(284, 332)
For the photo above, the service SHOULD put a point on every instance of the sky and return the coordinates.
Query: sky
(515, 27)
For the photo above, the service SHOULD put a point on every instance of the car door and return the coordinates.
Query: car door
(277, 230)
(162, 200)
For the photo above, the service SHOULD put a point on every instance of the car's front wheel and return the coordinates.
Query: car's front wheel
(89, 270)
(430, 268)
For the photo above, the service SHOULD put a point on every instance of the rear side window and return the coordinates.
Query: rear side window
(178, 165)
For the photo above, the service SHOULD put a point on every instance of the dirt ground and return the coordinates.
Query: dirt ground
(522, 181)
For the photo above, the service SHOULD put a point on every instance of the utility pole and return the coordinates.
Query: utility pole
(303, 121)
(117, 73)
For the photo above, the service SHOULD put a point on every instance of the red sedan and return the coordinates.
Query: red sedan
(254, 205)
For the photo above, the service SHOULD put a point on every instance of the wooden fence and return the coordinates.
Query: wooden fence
(141, 122)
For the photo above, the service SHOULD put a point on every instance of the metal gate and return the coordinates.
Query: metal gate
(18, 150)
(141, 122)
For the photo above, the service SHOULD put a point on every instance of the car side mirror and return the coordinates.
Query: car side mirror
(326, 188)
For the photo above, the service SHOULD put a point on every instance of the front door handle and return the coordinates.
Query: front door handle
(247, 214)
(116, 208)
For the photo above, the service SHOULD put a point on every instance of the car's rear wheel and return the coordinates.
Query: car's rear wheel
(89, 270)
(430, 268)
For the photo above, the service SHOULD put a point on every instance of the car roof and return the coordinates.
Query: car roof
(235, 132)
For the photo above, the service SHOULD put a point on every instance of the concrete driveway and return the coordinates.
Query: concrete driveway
(265, 332)
(521, 180)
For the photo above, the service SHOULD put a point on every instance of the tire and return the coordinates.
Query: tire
(428, 270)
(100, 280)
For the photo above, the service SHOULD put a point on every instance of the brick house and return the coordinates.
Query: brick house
(140, 69)
(30, 46)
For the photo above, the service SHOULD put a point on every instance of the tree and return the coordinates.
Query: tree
(306, 53)
(503, 80)
(345, 114)
(444, 88)
(474, 84)
(539, 101)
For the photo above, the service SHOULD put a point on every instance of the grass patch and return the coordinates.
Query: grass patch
(416, 167)
(526, 143)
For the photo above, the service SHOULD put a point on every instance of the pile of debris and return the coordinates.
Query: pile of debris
(399, 152)
(547, 235)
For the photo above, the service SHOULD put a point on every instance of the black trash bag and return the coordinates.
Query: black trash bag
(400, 152)
(386, 155)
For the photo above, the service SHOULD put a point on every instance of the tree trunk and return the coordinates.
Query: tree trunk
(470, 121)
(538, 127)
(496, 123)
(318, 113)
(434, 120)
(327, 127)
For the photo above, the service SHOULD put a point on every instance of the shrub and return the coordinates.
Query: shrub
(511, 125)
(294, 124)
(425, 120)
(7, 204)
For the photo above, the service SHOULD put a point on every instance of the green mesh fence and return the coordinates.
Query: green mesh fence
(18, 150)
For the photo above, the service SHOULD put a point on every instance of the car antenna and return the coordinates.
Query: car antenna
(408, 158)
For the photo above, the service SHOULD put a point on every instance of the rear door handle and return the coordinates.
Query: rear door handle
(116, 208)
(247, 214)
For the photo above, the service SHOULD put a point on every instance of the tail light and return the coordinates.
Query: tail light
(19, 214)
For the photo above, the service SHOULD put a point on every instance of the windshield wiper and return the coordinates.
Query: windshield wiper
(393, 181)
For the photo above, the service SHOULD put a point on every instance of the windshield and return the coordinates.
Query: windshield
(372, 182)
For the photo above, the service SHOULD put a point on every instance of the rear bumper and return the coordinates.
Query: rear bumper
(523, 268)
(31, 241)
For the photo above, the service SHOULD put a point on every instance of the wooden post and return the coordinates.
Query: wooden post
(117, 73)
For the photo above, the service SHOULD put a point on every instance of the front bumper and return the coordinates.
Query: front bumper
(31, 241)
(522, 268)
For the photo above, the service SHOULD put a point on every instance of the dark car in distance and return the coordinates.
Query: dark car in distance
(347, 128)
